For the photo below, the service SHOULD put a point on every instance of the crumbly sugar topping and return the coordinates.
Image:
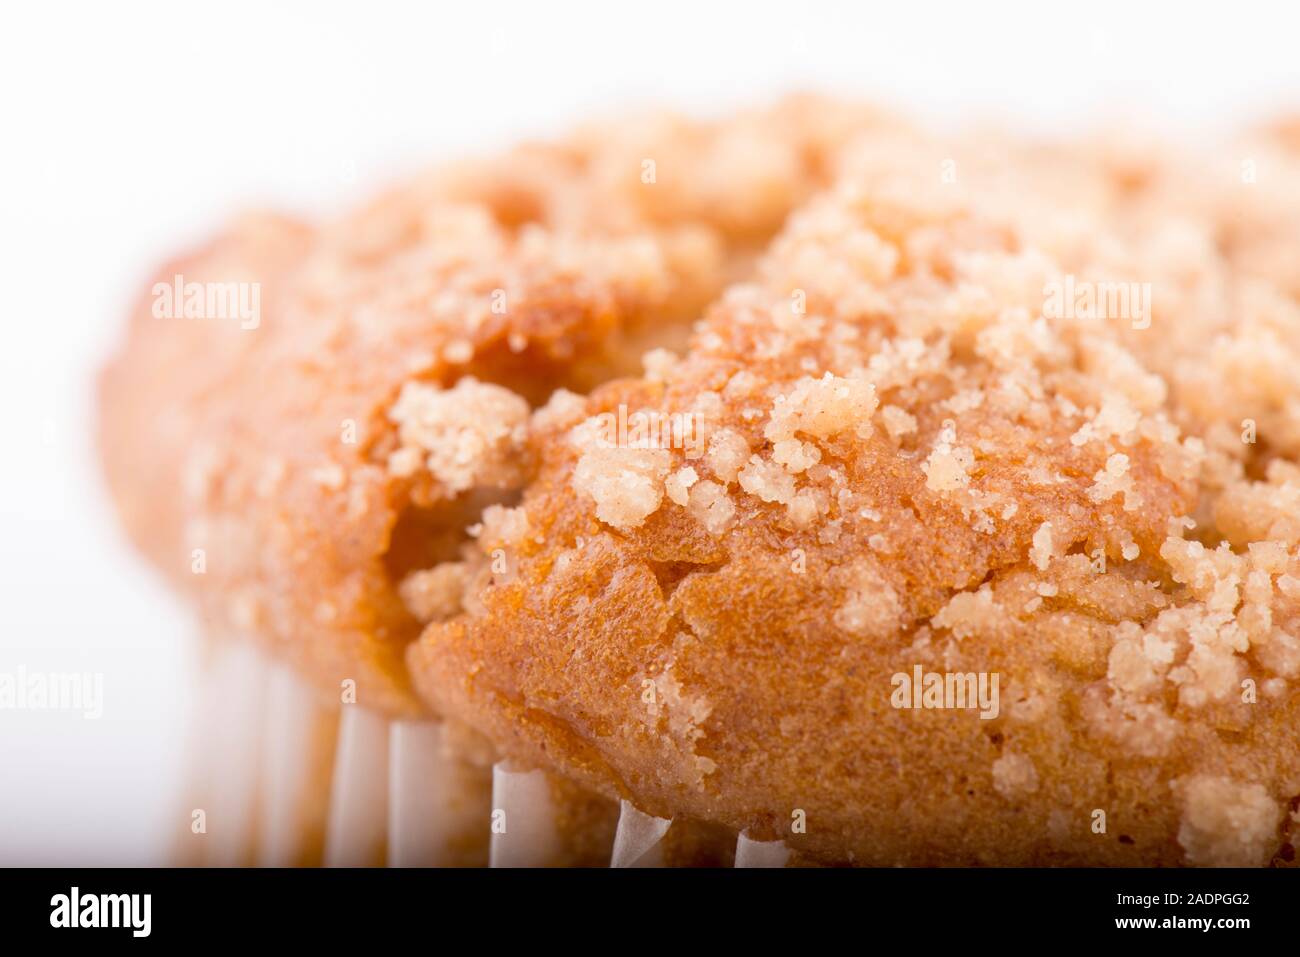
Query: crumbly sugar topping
(471, 434)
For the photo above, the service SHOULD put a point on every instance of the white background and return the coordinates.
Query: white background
(130, 131)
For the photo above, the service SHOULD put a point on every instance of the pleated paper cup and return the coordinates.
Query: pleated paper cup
(282, 777)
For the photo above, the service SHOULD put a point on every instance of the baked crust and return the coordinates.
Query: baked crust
(918, 469)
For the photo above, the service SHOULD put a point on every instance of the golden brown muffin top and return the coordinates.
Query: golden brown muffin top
(909, 441)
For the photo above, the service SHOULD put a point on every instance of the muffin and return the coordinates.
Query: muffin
(293, 472)
(796, 488)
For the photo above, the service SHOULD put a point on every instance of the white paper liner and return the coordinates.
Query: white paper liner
(751, 853)
(638, 842)
(430, 798)
(292, 717)
(524, 829)
(230, 715)
(396, 794)
(357, 831)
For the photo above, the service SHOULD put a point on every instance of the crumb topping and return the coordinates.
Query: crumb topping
(469, 435)
(1226, 823)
